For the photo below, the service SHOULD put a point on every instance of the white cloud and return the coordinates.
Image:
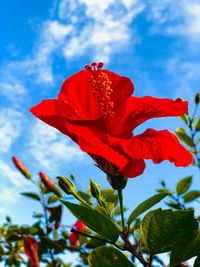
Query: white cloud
(53, 35)
(107, 29)
(11, 176)
(190, 24)
(51, 149)
(11, 183)
(12, 91)
(176, 18)
(91, 28)
(186, 76)
(40, 64)
(10, 125)
(179, 19)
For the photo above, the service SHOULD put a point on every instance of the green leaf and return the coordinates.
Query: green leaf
(38, 215)
(49, 243)
(118, 210)
(94, 243)
(163, 190)
(183, 185)
(84, 196)
(95, 220)
(110, 195)
(197, 262)
(184, 119)
(191, 195)
(108, 257)
(144, 206)
(186, 251)
(165, 230)
(182, 135)
(52, 199)
(56, 213)
(197, 125)
(174, 205)
(137, 234)
(31, 195)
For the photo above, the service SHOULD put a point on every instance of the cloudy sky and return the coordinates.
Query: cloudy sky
(155, 43)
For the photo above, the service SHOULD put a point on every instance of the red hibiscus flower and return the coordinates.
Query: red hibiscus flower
(73, 238)
(96, 109)
(31, 250)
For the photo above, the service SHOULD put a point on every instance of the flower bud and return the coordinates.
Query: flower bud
(31, 250)
(49, 184)
(66, 185)
(72, 176)
(197, 98)
(79, 225)
(94, 189)
(73, 238)
(117, 181)
(20, 166)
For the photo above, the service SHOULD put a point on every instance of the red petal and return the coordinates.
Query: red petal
(134, 168)
(79, 225)
(76, 91)
(89, 135)
(51, 107)
(159, 146)
(73, 238)
(139, 110)
(122, 87)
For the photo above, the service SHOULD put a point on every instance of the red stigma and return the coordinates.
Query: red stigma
(95, 66)
(87, 67)
(100, 65)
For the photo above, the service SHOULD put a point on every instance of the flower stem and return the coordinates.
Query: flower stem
(121, 208)
(192, 133)
(132, 249)
(47, 226)
(80, 199)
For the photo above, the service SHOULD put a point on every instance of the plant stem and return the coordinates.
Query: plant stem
(132, 249)
(159, 261)
(80, 199)
(121, 208)
(192, 133)
(47, 226)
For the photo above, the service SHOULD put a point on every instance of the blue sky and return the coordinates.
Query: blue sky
(155, 43)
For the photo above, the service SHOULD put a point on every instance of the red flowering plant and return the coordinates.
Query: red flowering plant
(97, 110)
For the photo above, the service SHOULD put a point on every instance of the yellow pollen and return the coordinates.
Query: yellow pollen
(101, 90)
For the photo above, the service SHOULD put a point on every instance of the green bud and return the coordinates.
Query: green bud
(117, 181)
(94, 189)
(197, 98)
(66, 185)
(72, 177)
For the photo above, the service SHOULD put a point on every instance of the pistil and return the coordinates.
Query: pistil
(100, 85)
